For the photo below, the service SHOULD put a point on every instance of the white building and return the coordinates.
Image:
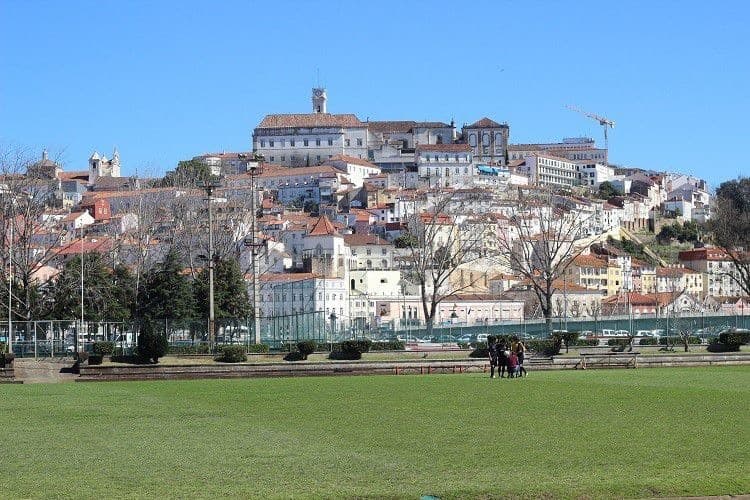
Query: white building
(592, 174)
(445, 165)
(100, 166)
(357, 169)
(299, 140)
(547, 170)
(571, 148)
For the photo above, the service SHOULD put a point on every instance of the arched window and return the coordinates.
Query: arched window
(472, 140)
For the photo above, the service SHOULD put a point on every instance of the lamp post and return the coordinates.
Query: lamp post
(10, 284)
(254, 168)
(209, 186)
(453, 318)
(82, 288)
(333, 325)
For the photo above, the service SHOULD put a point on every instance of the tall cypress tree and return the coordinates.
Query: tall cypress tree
(231, 299)
(166, 293)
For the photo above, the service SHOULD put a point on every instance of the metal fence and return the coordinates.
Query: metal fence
(64, 337)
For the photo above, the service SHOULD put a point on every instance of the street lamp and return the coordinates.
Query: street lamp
(209, 186)
(254, 168)
(454, 316)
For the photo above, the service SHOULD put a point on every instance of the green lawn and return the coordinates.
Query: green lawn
(619, 433)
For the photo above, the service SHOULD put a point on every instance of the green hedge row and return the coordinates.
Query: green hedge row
(232, 353)
(103, 348)
(648, 341)
(544, 347)
(678, 340)
(584, 343)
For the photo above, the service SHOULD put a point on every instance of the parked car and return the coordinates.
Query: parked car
(482, 337)
(622, 333)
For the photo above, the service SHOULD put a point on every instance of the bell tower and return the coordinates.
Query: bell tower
(319, 100)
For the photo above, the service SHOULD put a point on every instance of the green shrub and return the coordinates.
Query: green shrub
(676, 340)
(731, 340)
(391, 345)
(294, 356)
(189, 349)
(2, 347)
(648, 341)
(81, 357)
(547, 347)
(364, 345)
(585, 342)
(480, 350)
(345, 355)
(257, 348)
(6, 358)
(463, 345)
(152, 345)
(306, 347)
(103, 348)
(232, 353)
(95, 359)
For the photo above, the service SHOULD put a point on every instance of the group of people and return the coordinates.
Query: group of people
(506, 357)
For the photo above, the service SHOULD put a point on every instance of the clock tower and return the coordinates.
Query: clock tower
(319, 100)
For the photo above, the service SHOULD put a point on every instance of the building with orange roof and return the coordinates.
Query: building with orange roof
(304, 139)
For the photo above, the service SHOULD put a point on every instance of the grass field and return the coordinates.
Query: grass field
(618, 433)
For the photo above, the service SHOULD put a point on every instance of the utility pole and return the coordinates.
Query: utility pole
(81, 329)
(10, 286)
(254, 168)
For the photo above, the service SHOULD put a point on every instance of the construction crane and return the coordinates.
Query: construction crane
(603, 121)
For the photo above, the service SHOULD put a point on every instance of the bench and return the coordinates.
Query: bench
(609, 359)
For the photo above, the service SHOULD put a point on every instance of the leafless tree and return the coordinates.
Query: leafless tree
(439, 246)
(730, 225)
(540, 241)
(26, 201)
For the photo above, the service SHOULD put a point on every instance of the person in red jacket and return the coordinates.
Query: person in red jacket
(513, 365)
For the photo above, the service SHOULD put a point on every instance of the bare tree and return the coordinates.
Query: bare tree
(440, 243)
(730, 225)
(540, 241)
(26, 200)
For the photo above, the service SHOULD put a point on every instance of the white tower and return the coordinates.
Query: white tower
(319, 100)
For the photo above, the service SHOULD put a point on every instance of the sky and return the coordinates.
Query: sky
(165, 80)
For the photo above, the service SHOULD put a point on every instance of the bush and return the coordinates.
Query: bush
(294, 356)
(648, 341)
(95, 359)
(345, 355)
(103, 348)
(306, 347)
(152, 345)
(232, 353)
(667, 340)
(544, 347)
(585, 342)
(81, 357)
(480, 351)
(391, 345)
(6, 358)
(2, 347)
(258, 348)
(731, 341)
(364, 345)
(463, 345)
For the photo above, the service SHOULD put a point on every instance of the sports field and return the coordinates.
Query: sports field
(619, 433)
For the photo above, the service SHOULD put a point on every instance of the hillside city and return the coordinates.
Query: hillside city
(376, 226)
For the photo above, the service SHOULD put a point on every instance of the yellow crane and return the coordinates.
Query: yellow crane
(603, 121)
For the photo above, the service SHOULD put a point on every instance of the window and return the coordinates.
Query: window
(347, 142)
(330, 142)
(271, 158)
(262, 144)
(305, 142)
(317, 142)
(317, 157)
(359, 142)
(270, 144)
(292, 142)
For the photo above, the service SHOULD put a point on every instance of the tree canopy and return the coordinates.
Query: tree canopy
(730, 224)
(230, 291)
(166, 293)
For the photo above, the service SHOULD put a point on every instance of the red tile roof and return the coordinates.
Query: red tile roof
(311, 120)
(322, 227)
(486, 123)
(353, 160)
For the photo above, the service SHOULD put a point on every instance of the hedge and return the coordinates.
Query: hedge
(103, 348)
(648, 341)
(678, 340)
(480, 351)
(306, 347)
(544, 347)
(232, 353)
(584, 342)
(391, 345)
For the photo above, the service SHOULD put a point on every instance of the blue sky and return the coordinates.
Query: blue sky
(165, 81)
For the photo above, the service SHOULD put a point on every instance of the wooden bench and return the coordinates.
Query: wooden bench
(609, 359)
